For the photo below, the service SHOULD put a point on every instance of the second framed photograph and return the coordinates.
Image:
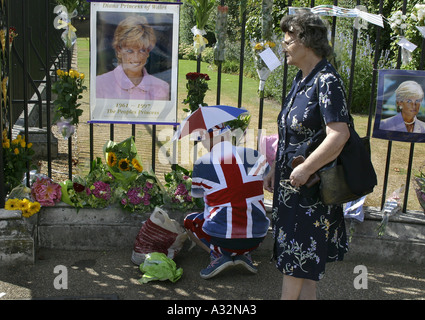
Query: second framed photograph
(400, 111)
(134, 62)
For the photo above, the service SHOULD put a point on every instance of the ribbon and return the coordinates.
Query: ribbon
(199, 42)
(63, 21)
(335, 11)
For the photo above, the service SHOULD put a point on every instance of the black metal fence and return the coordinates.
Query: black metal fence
(39, 51)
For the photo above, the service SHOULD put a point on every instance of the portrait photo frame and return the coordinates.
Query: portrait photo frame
(390, 122)
(114, 98)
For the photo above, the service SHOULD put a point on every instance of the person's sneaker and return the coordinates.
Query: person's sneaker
(216, 266)
(246, 261)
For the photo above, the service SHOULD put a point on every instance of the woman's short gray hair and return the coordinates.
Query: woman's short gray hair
(311, 31)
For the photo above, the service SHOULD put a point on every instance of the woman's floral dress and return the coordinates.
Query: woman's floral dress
(307, 233)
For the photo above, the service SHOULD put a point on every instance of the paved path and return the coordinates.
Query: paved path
(111, 275)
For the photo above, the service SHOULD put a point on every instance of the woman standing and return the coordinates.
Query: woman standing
(307, 233)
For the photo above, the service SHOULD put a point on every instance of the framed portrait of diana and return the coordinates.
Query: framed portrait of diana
(133, 62)
(400, 110)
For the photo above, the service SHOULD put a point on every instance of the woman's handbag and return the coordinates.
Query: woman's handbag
(349, 177)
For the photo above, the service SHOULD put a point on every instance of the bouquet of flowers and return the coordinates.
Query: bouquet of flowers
(12, 35)
(262, 70)
(196, 87)
(391, 207)
(220, 32)
(75, 193)
(238, 127)
(16, 154)
(260, 45)
(66, 10)
(123, 161)
(45, 191)
(177, 188)
(202, 11)
(68, 88)
(143, 195)
(408, 32)
(100, 186)
(20, 199)
(420, 189)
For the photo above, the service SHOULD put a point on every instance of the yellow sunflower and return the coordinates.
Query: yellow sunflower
(258, 46)
(27, 213)
(124, 164)
(24, 204)
(33, 208)
(112, 159)
(12, 204)
(137, 165)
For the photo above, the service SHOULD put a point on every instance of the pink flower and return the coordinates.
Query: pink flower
(149, 185)
(101, 190)
(181, 189)
(46, 192)
(134, 195)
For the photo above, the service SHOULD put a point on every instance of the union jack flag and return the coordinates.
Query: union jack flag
(231, 181)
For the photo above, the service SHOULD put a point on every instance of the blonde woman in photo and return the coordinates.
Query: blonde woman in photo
(133, 40)
(409, 97)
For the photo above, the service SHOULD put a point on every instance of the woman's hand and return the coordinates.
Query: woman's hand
(268, 181)
(299, 175)
(337, 134)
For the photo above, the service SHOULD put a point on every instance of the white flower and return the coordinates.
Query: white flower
(421, 15)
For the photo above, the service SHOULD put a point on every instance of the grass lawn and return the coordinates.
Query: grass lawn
(250, 101)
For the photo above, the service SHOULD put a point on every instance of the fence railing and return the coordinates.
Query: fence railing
(39, 51)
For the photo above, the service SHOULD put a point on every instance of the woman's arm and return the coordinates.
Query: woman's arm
(337, 134)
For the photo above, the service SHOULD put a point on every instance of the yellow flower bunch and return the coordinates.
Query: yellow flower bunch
(123, 161)
(4, 82)
(16, 154)
(74, 74)
(124, 164)
(69, 88)
(27, 207)
(264, 45)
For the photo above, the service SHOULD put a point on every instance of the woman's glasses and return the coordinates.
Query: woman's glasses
(286, 44)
